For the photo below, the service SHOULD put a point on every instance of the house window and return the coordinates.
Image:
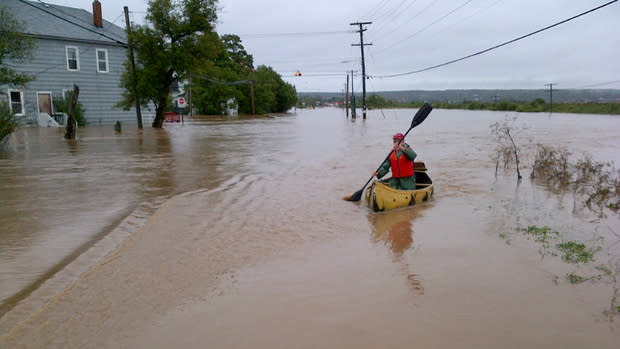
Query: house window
(17, 102)
(73, 58)
(102, 60)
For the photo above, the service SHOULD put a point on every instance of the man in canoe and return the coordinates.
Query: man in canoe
(400, 162)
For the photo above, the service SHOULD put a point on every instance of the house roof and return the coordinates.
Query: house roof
(55, 21)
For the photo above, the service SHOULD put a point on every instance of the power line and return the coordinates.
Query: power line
(431, 24)
(601, 84)
(496, 46)
(378, 31)
(272, 35)
(221, 82)
(375, 9)
(124, 44)
(418, 14)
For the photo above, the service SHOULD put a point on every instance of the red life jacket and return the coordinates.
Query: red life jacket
(401, 167)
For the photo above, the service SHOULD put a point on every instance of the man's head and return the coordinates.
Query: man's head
(397, 137)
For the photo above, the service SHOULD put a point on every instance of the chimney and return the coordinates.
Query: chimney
(97, 18)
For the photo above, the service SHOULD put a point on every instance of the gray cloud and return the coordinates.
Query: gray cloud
(412, 35)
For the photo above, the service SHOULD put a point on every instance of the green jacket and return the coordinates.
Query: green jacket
(406, 183)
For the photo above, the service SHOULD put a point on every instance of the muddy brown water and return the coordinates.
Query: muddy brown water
(234, 234)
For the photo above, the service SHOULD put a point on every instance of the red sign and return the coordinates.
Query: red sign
(181, 101)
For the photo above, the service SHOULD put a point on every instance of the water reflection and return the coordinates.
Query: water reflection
(395, 230)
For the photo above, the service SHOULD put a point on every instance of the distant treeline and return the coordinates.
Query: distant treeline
(590, 101)
(538, 105)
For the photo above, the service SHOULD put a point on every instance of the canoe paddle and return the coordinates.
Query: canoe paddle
(419, 117)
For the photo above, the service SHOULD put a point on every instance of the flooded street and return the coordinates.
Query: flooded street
(234, 234)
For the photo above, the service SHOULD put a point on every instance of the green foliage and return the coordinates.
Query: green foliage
(61, 105)
(14, 46)
(226, 78)
(178, 38)
(596, 184)
(272, 94)
(575, 279)
(577, 252)
(541, 234)
(375, 101)
(536, 106)
(8, 121)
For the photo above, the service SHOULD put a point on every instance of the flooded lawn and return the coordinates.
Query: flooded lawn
(227, 234)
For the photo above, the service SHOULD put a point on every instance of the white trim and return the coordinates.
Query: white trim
(51, 100)
(77, 57)
(21, 97)
(106, 61)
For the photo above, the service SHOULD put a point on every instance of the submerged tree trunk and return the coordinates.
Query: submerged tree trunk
(162, 103)
(158, 122)
(71, 127)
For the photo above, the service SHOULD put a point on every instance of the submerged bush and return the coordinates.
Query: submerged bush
(596, 184)
(577, 252)
(8, 121)
(61, 105)
(507, 150)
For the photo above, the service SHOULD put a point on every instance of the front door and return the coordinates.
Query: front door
(45, 102)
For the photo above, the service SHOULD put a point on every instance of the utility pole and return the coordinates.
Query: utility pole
(361, 45)
(191, 109)
(551, 95)
(133, 69)
(353, 114)
(346, 97)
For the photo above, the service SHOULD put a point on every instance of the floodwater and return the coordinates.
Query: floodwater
(234, 234)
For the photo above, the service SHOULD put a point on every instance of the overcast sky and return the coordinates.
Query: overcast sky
(315, 38)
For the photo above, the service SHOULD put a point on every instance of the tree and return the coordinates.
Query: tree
(228, 77)
(15, 47)
(272, 94)
(177, 38)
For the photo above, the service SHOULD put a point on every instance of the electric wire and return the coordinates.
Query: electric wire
(375, 9)
(81, 51)
(124, 44)
(431, 24)
(378, 30)
(600, 84)
(388, 14)
(273, 35)
(221, 82)
(496, 46)
(418, 14)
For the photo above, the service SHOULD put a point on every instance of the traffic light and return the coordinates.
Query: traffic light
(298, 73)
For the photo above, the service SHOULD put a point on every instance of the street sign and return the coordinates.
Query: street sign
(181, 102)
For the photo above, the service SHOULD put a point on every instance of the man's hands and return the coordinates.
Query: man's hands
(399, 146)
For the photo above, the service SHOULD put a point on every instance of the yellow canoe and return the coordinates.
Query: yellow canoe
(381, 197)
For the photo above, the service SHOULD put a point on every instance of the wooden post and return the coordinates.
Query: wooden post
(346, 97)
(191, 109)
(71, 123)
(133, 70)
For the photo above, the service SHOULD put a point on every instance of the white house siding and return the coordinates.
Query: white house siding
(99, 92)
(54, 28)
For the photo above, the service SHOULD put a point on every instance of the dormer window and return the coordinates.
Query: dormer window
(73, 58)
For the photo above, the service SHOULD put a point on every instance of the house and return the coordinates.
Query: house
(73, 46)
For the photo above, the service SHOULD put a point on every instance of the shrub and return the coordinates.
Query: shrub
(8, 121)
(61, 105)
